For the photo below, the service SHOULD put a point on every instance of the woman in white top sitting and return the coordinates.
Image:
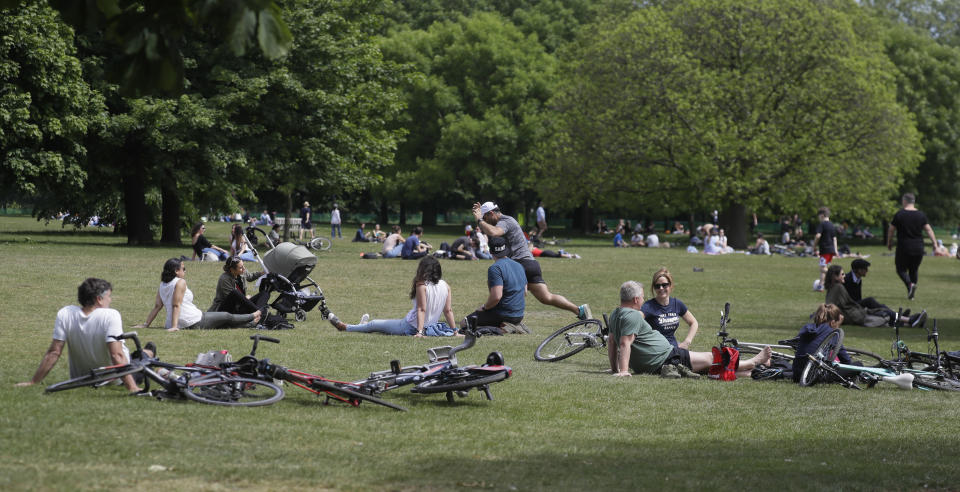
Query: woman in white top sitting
(431, 298)
(238, 244)
(174, 296)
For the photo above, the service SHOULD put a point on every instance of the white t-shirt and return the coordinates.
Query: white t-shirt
(436, 299)
(189, 314)
(335, 216)
(87, 337)
(541, 215)
(653, 241)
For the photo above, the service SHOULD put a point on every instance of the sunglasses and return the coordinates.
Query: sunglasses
(660, 286)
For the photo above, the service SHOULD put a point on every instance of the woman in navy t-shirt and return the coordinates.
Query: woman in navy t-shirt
(664, 312)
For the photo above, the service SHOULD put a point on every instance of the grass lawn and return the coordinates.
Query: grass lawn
(564, 425)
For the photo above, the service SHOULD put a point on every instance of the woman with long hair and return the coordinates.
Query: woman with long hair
(431, 298)
(174, 296)
(202, 245)
(239, 245)
(827, 318)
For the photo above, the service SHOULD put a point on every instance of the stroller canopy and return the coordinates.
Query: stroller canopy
(288, 258)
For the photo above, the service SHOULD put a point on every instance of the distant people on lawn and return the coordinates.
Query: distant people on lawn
(431, 297)
(393, 244)
(493, 223)
(541, 218)
(176, 298)
(306, 216)
(413, 248)
(909, 224)
(202, 246)
(335, 223)
(89, 331)
(824, 243)
(634, 345)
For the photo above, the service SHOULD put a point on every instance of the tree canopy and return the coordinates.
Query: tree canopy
(737, 105)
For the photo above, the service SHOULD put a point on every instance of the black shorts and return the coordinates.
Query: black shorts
(532, 268)
(679, 356)
(306, 225)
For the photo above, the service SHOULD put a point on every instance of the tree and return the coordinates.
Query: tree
(46, 108)
(737, 105)
(473, 114)
(150, 33)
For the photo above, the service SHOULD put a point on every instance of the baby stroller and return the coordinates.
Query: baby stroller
(288, 266)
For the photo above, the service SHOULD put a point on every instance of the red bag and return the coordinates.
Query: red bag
(725, 362)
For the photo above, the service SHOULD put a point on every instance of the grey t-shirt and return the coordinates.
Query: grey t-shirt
(515, 238)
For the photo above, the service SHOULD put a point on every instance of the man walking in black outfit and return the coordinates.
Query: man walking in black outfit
(909, 224)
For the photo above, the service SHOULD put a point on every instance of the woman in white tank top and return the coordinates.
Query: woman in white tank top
(176, 298)
(431, 298)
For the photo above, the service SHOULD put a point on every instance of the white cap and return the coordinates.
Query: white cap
(468, 228)
(486, 207)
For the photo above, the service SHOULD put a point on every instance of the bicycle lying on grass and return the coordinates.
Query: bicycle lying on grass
(198, 383)
(823, 367)
(572, 339)
(784, 351)
(262, 369)
(442, 373)
(938, 361)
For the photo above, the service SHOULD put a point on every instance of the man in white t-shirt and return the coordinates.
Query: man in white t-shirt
(541, 218)
(88, 330)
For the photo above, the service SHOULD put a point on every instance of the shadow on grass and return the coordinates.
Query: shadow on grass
(77, 238)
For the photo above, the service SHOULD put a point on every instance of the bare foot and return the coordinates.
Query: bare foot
(173, 329)
(764, 356)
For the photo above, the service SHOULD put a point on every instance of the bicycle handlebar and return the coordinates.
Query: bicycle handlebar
(130, 335)
(256, 341)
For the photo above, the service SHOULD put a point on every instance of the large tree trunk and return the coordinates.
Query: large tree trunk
(135, 204)
(429, 218)
(287, 215)
(170, 225)
(582, 218)
(733, 219)
(384, 215)
(403, 214)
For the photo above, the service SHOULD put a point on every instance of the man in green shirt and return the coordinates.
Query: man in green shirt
(633, 344)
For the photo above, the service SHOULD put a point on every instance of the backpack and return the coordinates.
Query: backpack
(725, 362)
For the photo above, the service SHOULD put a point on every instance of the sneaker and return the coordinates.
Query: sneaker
(911, 291)
(669, 371)
(687, 372)
(918, 319)
(335, 321)
(585, 312)
(152, 347)
(906, 313)
(364, 319)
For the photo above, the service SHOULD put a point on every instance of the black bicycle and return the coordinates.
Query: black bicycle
(572, 339)
(198, 383)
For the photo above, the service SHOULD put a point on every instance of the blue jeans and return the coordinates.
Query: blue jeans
(335, 231)
(395, 252)
(387, 326)
(220, 255)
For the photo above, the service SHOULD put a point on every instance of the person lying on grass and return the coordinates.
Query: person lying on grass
(89, 331)
(431, 298)
(633, 344)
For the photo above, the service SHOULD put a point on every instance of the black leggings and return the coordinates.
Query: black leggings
(237, 303)
(908, 267)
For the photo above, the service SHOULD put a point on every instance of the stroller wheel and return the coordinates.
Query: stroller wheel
(300, 315)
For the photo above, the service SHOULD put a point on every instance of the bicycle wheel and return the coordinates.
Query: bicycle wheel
(825, 353)
(567, 341)
(96, 377)
(459, 382)
(935, 382)
(232, 391)
(320, 243)
(350, 395)
(867, 359)
(920, 361)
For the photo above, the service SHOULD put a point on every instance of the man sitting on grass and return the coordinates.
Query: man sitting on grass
(90, 332)
(633, 344)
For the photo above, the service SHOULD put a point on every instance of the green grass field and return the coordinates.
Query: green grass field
(564, 425)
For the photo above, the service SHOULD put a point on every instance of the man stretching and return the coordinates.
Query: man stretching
(494, 224)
